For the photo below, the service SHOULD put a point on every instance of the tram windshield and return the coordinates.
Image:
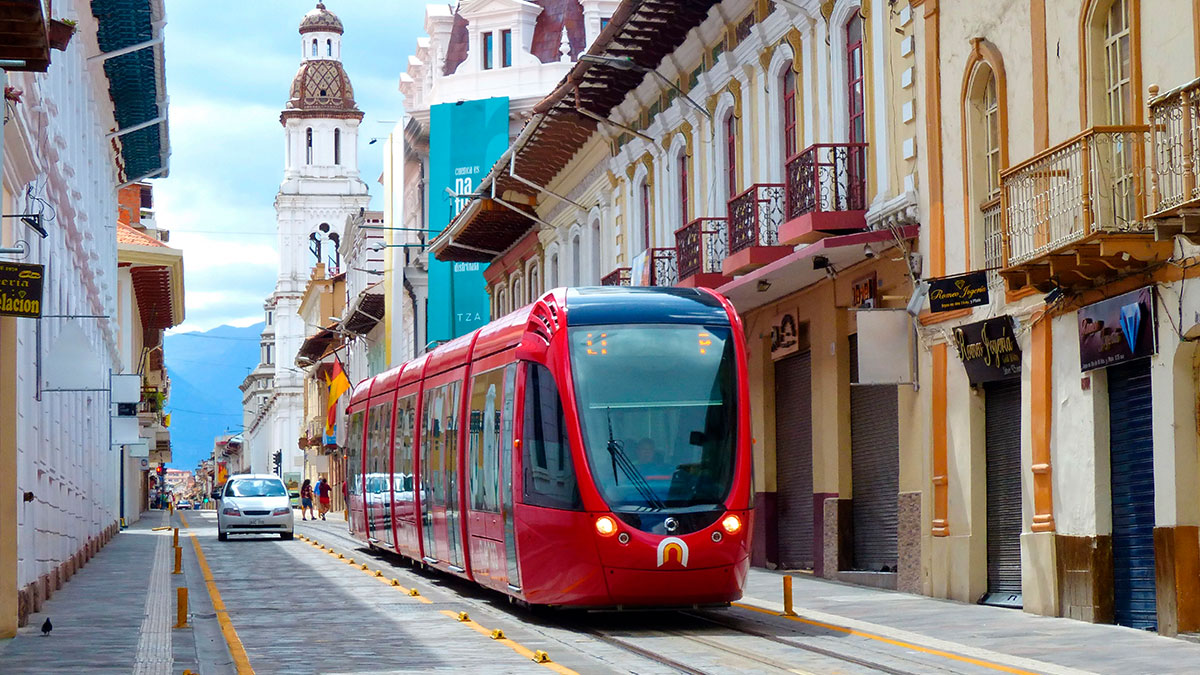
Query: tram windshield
(657, 408)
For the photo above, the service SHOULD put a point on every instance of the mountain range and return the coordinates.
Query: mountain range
(205, 402)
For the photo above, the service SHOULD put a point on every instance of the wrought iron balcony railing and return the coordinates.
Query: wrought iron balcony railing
(701, 246)
(1175, 120)
(664, 271)
(755, 216)
(1090, 184)
(993, 235)
(617, 277)
(827, 177)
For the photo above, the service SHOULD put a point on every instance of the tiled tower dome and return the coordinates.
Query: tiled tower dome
(320, 20)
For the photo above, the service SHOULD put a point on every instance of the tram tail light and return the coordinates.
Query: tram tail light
(606, 526)
(731, 523)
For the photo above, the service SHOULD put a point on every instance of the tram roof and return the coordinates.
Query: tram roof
(598, 305)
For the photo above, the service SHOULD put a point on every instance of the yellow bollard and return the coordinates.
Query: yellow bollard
(540, 657)
(170, 508)
(787, 596)
(178, 561)
(181, 607)
(175, 541)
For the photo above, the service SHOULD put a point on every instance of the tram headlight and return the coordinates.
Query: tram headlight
(606, 526)
(731, 523)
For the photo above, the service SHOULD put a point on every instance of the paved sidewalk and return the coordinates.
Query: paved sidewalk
(116, 615)
(976, 630)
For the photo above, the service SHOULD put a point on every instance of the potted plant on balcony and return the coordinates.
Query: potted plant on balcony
(59, 32)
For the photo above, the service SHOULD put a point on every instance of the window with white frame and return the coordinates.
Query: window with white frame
(576, 260)
(596, 249)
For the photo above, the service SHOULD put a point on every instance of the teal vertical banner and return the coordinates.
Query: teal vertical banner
(465, 139)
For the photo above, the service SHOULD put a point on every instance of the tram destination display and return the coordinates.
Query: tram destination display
(21, 289)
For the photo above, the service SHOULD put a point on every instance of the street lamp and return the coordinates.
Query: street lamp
(629, 64)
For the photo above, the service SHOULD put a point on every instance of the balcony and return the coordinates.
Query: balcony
(1174, 192)
(700, 249)
(617, 277)
(754, 220)
(826, 192)
(1074, 215)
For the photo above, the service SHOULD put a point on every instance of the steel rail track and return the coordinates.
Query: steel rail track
(625, 644)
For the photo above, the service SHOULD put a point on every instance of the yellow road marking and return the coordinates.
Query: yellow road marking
(515, 646)
(240, 660)
(899, 643)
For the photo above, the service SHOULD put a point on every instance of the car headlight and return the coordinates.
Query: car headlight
(231, 511)
(282, 511)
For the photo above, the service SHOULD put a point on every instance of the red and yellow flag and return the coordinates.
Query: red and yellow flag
(338, 385)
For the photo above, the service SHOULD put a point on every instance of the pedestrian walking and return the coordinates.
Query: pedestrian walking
(323, 493)
(306, 500)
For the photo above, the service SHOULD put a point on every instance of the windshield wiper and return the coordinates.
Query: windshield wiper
(616, 449)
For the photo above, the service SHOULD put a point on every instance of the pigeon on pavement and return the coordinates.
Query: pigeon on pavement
(47, 627)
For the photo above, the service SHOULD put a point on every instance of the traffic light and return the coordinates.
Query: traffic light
(277, 462)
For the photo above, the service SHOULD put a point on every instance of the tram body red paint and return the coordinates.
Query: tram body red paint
(437, 451)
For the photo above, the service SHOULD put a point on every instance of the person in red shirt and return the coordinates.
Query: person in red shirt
(323, 495)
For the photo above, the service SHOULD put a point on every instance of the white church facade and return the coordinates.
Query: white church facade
(321, 187)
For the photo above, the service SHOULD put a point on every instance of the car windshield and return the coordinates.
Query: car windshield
(657, 406)
(256, 487)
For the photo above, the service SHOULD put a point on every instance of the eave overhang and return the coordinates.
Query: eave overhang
(23, 31)
(157, 273)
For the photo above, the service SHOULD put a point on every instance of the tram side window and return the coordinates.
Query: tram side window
(403, 447)
(549, 471)
(353, 452)
(487, 400)
(377, 448)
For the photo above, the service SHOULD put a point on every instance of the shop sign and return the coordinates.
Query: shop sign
(21, 290)
(959, 292)
(1117, 330)
(785, 335)
(864, 293)
(989, 350)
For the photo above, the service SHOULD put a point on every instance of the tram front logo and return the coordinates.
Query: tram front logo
(672, 547)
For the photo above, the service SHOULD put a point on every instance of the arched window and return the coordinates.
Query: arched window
(576, 260)
(597, 252)
(984, 141)
(552, 271)
(518, 298)
(501, 302)
(535, 288)
(788, 87)
(682, 171)
(314, 47)
(644, 215)
(337, 146)
(856, 108)
(308, 148)
(329, 48)
(731, 181)
(1118, 109)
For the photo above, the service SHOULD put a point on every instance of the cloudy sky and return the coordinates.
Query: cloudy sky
(229, 67)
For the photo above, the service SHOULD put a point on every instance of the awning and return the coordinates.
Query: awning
(366, 311)
(318, 346)
(643, 31)
(136, 82)
(795, 271)
(157, 273)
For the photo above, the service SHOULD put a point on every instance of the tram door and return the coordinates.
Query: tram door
(506, 475)
(440, 512)
(378, 479)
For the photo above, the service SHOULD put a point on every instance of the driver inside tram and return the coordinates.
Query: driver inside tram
(651, 464)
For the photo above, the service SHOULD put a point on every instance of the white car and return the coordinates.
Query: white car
(254, 504)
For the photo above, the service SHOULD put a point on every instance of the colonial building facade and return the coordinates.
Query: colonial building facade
(82, 120)
(967, 303)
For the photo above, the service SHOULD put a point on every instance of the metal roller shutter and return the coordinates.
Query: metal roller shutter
(1132, 459)
(874, 470)
(793, 460)
(1002, 430)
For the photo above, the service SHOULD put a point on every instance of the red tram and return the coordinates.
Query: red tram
(592, 450)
